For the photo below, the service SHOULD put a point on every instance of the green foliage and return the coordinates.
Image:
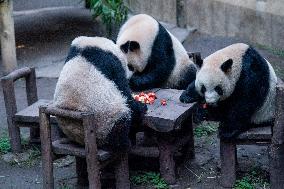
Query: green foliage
(64, 186)
(149, 178)
(4, 144)
(205, 129)
(253, 180)
(110, 11)
(275, 51)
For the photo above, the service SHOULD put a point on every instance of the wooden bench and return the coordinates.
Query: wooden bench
(271, 136)
(89, 159)
(171, 126)
(27, 117)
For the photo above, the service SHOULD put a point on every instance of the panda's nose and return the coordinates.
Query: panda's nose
(211, 98)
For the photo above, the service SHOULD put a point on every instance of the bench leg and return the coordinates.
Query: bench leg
(190, 152)
(93, 166)
(276, 157)
(166, 158)
(228, 164)
(46, 150)
(122, 172)
(15, 137)
(81, 169)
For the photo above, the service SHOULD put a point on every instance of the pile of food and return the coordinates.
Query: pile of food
(148, 98)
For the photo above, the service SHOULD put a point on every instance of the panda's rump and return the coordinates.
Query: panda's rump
(84, 88)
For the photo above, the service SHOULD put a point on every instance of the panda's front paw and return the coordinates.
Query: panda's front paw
(138, 111)
(134, 83)
(185, 98)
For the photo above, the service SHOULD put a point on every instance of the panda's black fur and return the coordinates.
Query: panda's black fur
(160, 63)
(111, 67)
(249, 95)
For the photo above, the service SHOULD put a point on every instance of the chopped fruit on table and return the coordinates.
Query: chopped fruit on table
(148, 98)
(163, 102)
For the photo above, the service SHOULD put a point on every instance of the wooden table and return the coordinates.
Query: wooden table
(171, 126)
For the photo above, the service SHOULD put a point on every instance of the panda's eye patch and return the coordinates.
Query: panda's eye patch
(203, 89)
(130, 67)
(219, 90)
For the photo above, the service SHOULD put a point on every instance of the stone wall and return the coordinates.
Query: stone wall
(259, 21)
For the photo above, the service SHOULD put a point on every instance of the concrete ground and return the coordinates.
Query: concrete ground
(43, 37)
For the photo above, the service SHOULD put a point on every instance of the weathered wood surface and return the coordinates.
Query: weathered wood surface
(167, 118)
(67, 147)
(121, 170)
(228, 164)
(11, 109)
(256, 134)
(90, 127)
(31, 113)
(7, 37)
(46, 150)
(278, 129)
(276, 152)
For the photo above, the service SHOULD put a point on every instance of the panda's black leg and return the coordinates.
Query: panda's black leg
(118, 139)
(190, 94)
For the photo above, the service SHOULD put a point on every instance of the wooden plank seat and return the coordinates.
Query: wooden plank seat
(64, 146)
(256, 135)
(89, 159)
(271, 136)
(30, 114)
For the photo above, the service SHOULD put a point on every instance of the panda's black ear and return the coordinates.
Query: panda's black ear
(134, 45)
(227, 65)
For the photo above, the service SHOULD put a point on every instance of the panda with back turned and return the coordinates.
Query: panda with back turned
(239, 86)
(155, 57)
(94, 79)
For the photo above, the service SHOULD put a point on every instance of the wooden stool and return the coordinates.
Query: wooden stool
(89, 159)
(27, 117)
(171, 125)
(258, 136)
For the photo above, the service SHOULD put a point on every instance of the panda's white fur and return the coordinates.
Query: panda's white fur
(144, 29)
(82, 87)
(211, 75)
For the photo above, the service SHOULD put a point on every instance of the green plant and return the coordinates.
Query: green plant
(64, 186)
(4, 144)
(149, 178)
(205, 129)
(110, 11)
(275, 51)
(252, 180)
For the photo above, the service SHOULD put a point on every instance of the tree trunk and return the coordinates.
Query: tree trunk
(7, 37)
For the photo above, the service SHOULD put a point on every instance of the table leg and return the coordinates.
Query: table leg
(166, 158)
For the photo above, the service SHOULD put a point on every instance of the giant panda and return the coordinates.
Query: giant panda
(94, 79)
(239, 86)
(155, 57)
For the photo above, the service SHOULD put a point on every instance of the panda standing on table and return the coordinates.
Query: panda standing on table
(239, 86)
(155, 57)
(94, 79)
